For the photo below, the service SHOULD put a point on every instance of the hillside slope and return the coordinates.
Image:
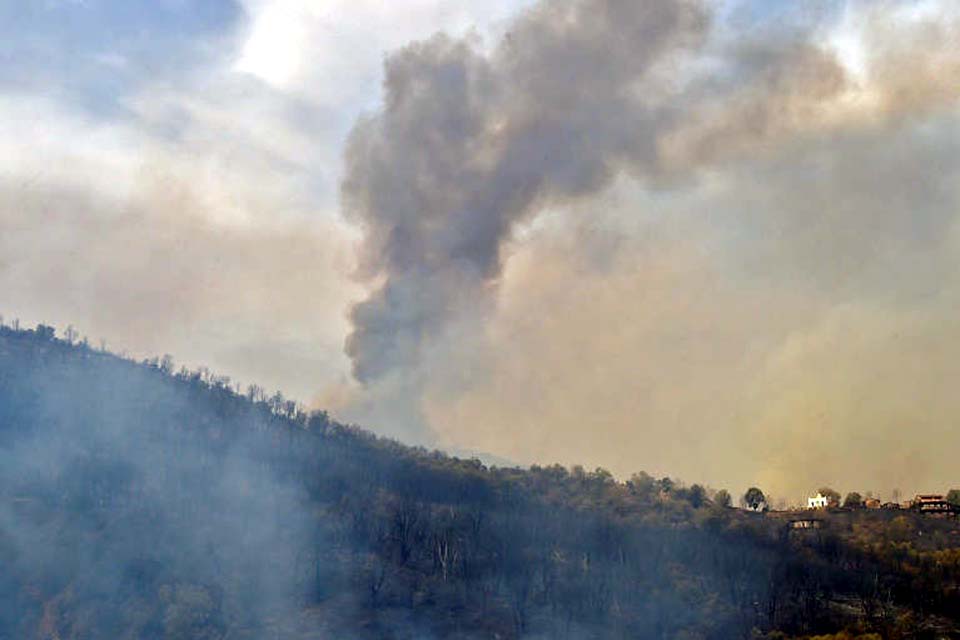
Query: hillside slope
(136, 502)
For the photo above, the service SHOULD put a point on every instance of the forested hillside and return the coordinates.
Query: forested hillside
(138, 502)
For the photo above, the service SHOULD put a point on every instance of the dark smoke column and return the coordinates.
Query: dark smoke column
(469, 143)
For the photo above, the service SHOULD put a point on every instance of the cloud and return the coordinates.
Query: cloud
(334, 50)
(132, 239)
(93, 54)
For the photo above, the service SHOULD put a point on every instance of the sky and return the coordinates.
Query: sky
(710, 240)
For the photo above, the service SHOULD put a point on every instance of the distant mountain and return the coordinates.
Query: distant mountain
(141, 502)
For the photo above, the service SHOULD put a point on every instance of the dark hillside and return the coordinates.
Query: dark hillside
(140, 502)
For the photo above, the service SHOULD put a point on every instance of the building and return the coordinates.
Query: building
(932, 503)
(818, 501)
(871, 503)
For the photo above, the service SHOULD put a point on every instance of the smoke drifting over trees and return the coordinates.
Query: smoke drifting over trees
(779, 156)
(640, 232)
(136, 501)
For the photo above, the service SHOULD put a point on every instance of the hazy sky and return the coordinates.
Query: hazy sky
(717, 241)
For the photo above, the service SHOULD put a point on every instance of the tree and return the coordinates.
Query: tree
(853, 500)
(642, 484)
(276, 402)
(256, 393)
(696, 496)
(832, 496)
(722, 498)
(754, 498)
(953, 497)
(666, 485)
(45, 332)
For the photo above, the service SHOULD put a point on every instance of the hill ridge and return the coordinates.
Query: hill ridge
(142, 502)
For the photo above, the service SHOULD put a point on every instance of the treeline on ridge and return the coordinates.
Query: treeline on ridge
(137, 501)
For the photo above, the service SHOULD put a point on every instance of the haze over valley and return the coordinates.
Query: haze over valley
(616, 258)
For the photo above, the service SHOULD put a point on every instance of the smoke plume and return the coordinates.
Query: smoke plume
(788, 170)
(470, 142)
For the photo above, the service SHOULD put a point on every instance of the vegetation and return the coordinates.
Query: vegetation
(754, 498)
(722, 498)
(138, 501)
(853, 500)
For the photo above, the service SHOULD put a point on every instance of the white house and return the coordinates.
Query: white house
(818, 501)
